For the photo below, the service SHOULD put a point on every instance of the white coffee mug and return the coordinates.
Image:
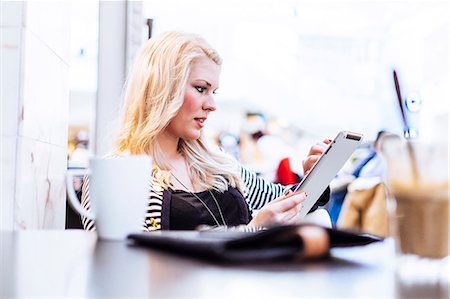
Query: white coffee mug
(118, 194)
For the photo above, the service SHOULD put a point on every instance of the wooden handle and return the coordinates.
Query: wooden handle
(316, 242)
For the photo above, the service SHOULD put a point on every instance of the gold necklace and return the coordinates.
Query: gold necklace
(203, 203)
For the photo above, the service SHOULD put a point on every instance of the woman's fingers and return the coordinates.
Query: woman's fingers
(284, 196)
(291, 216)
(291, 202)
(314, 154)
(280, 211)
(317, 149)
(309, 162)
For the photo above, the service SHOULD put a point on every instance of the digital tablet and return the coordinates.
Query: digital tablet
(326, 168)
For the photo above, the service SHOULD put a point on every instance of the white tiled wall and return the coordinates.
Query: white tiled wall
(11, 13)
(41, 169)
(49, 21)
(35, 94)
(10, 79)
(8, 166)
(45, 93)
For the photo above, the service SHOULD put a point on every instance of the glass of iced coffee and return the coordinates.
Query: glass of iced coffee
(418, 181)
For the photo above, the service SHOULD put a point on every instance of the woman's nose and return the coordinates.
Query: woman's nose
(209, 104)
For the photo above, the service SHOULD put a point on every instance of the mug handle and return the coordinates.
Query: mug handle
(73, 199)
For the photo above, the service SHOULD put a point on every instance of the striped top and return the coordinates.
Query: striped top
(257, 193)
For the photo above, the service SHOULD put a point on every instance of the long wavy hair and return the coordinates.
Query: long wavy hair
(154, 93)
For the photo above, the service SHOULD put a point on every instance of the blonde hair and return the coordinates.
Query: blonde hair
(154, 92)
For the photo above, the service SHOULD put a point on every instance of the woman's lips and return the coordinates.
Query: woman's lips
(200, 121)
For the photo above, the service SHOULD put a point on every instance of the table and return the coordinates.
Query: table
(73, 263)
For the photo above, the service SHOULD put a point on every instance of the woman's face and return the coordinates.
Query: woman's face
(198, 102)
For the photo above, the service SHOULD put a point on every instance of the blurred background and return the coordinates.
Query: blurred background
(311, 68)
(294, 72)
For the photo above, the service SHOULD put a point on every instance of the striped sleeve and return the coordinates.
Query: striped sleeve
(154, 207)
(88, 224)
(259, 192)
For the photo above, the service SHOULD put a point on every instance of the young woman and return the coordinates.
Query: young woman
(169, 96)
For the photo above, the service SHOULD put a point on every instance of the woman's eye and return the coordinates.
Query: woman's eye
(200, 89)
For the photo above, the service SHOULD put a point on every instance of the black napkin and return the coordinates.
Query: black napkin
(273, 244)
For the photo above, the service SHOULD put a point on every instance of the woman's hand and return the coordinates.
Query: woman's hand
(314, 154)
(283, 210)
